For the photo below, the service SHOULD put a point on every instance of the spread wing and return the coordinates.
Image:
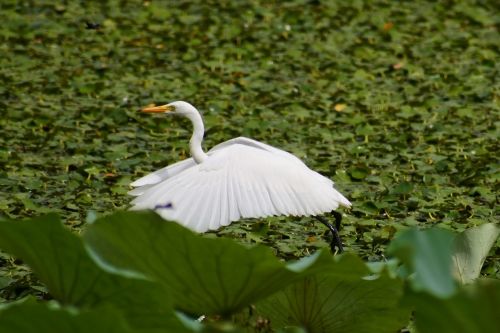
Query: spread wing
(146, 182)
(240, 178)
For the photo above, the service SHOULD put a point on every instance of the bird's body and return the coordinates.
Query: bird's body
(239, 178)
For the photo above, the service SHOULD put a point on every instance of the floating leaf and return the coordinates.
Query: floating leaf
(339, 107)
(402, 188)
(359, 172)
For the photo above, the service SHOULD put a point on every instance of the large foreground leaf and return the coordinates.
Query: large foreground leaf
(326, 303)
(427, 255)
(473, 309)
(471, 248)
(29, 317)
(52, 253)
(61, 262)
(205, 276)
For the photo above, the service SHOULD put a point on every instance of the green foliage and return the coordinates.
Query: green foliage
(473, 309)
(60, 261)
(428, 254)
(472, 247)
(329, 303)
(148, 275)
(204, 276)
(395, 101)
(30, 316)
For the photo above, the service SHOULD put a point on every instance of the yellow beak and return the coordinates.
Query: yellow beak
(158, 109)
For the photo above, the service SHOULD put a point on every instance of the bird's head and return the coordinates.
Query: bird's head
(177, 107)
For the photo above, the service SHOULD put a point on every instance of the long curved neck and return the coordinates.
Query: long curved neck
(197, 137)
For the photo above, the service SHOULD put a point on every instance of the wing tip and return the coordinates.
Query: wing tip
(346, 203)
(136, 192)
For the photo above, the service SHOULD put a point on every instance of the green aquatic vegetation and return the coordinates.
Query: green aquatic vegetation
(146, 275)
(398, 103)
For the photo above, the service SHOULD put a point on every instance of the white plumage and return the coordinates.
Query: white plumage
(239, 178)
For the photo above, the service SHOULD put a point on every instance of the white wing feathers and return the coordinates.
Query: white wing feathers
(241, 178)
(148, 181)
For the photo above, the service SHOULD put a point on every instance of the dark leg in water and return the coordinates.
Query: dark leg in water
(336, 242)
(338, 219)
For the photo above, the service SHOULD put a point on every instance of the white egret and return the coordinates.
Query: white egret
(239, 178)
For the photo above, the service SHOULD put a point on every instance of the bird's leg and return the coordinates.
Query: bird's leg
(338, 219)
(336, 242)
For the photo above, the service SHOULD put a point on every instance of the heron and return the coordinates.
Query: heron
(238, 178)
